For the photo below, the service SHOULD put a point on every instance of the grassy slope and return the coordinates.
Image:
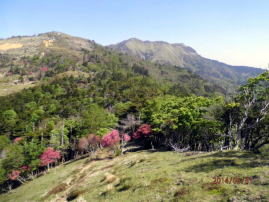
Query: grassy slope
(7, 85)
(151, 176)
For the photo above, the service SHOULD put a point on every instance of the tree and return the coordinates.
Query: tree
(4, 142)
(143, 131)
(32, 151)
(246, 118)
(97, 120)
(182, 122)
(94, 141)
(17, 139)
(88, 143)
(121, 109)
(59, 137)
(130, 123)
(10, 119)
(126, 137)
(111, 139)
(14, 160)
(3, 174)
(83, 144)
(49, 156)
(14, 175)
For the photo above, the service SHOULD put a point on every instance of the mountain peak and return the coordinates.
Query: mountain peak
(179, 54)
(156, 51)
(145, 41)
(133, 39)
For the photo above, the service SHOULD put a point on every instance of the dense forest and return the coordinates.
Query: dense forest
(110, 100)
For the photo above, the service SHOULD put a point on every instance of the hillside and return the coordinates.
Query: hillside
(183, 56)
(69, 98)
(151, 176)
(22, 46)
(54, 52)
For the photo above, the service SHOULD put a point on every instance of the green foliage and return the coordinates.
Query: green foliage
(246, 118)
(4, 142)
(183, 120)
(32, 150)
(59, 138)
(97, 120)
(15, 158)
(174, 113)
(3, 174)
(122, 108)
(105, 89)
(9, 118)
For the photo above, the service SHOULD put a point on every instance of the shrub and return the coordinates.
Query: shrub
(126, 137)
(17, 139)
(90, 142)
(111, 139)
(49, 156)
(14, 175)
(4, 142)
(93, 140)
(25, 168)
(83, 144)
(143, 131)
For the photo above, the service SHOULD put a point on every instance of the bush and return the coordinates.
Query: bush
(49, 156)
(143, 131)
(111, 139)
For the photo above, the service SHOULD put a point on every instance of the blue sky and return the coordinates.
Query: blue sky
(232, 31)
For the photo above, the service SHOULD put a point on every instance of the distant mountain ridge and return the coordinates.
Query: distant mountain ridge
(59, 52)
(184, 56)
(21, 46)
(157, 51)
(176, 54)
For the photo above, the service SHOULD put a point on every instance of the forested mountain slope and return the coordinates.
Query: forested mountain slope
(183, 56)
(85, 99)
(30, 58)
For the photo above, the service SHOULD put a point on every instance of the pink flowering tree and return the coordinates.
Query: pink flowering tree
(143, 131)
(125, 138)
(143, 135)
(116, 140)
(49, 156)
(14, 175)
(17, 139)
(111, 139)
(44, 69)
(25, 168)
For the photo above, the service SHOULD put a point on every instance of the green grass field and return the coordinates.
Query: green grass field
(151, 176)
